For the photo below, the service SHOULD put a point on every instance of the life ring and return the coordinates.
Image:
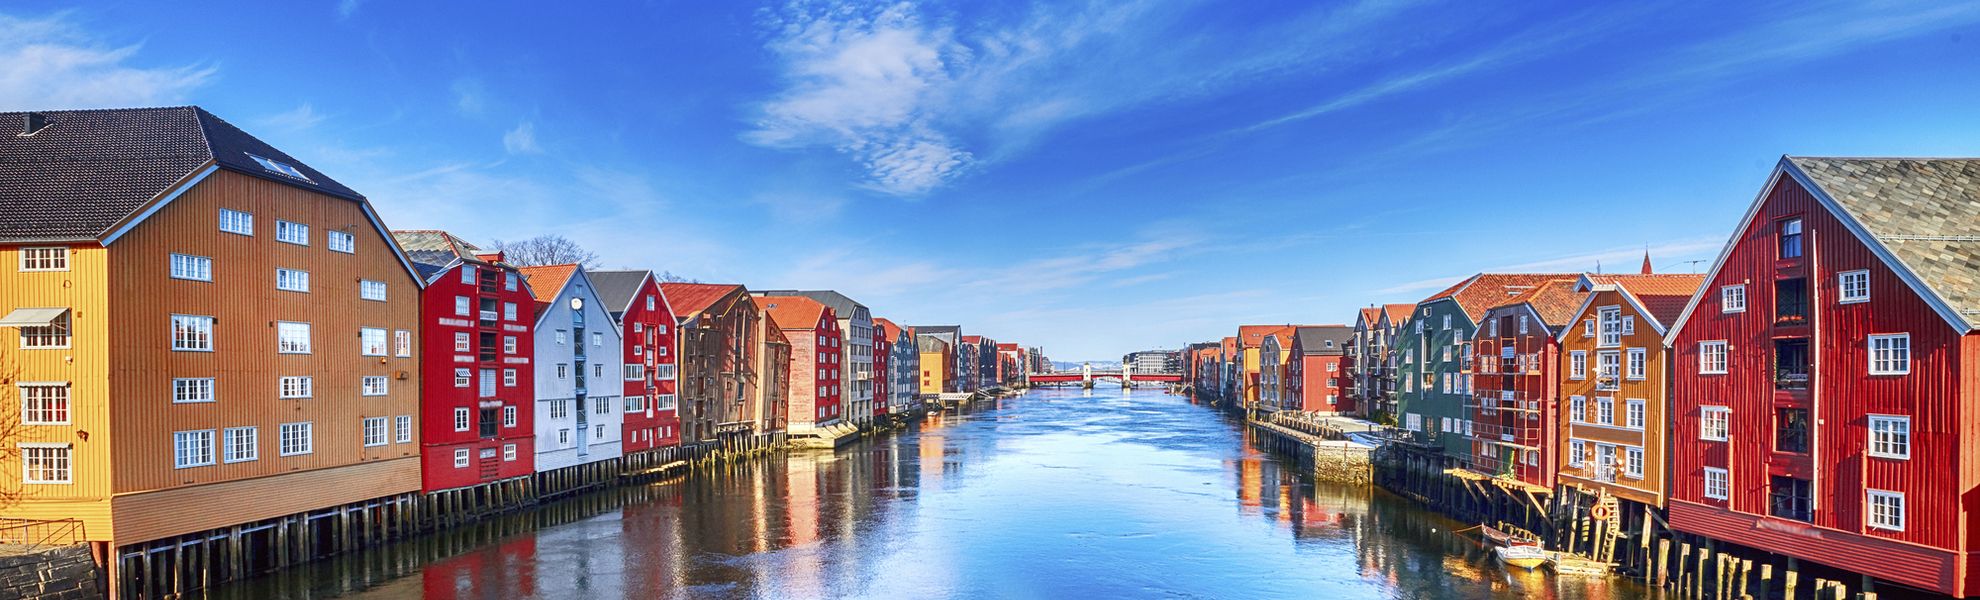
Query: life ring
(1601, 512)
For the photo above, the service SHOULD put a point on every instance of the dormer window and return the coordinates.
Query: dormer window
(280, 168)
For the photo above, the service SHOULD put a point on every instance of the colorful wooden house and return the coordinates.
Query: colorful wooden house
(1614, 385)
(1317, 369)
(1827, 374)
(646, 326)
(1512, 383)
(1429, 356)
(718, 327)
(816, 366)
(580, 411)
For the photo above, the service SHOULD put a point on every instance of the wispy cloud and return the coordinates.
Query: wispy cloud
(468, 96)
(303, 117)
(54, 63)
(521, 139)
(346, 8)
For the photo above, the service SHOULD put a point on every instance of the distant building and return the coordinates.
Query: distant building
(816, 374)
(1154, 361)
(1316, 374)
(855, 356)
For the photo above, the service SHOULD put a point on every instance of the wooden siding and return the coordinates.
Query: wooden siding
(1840, 396)
(440, 396)
(1650, 389)
(84, 365)
(144, 517)
(245, 303)
(1883, 558)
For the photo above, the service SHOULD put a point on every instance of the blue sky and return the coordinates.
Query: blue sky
(1091, 177)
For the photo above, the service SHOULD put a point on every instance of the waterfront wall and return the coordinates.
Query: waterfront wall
(49, 573)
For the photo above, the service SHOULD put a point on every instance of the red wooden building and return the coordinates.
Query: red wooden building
(1513, 384)
(1825, 377)
(1317, 369)
(883, 355)
(646, 325)
(478, 394)
(813, 332)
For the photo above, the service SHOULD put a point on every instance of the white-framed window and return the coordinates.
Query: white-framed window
(292, 280)
(342, 242)
(1588, 328)
(44, 463)
(192, 389)
(1890, 436)
(291, 338)
(508, 452)
(1714, 422)
(1890, 354)
(601, 405)
(196, 268)
(1886, 510)
(664, 402)
(562, 337)
(559, 410)
(45, 404)
(463, 342)
(462, 419)
(1611, 319)
(598, 339)
(374, 431)
(402, 429)
(1414, 422)
(371, 290)
(240, 444)
(1638, 364)
(403, 339)
(55, 335)
(294, 233)
(597, 369)
(649, 302)
(1608, 370)
(508, 377)
(1633, 413)
(234, 221)
(1854, 286)
(1605, 411)
(508, 311)
(1732, 298)
(49, 258)
(1712, 358)
(298, 387)
(371, 341)
(1633, 461)
(1578, 364)
(468, 275)
(564, 437)
(1629, 324)
(509, 281)
(1522, 325)
(508, 344)
(461, 307)
(192, 333)
(1715, 483)
(192, 448)
(635, 404)
(376, 385)
(460, 458)
(1577, 452)
(1447, 321)
(635, 372)
(508, 416)
(463, 377)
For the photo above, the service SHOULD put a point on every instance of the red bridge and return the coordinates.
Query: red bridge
(1061, 377)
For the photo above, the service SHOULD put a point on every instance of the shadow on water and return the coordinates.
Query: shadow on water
(1056, 494)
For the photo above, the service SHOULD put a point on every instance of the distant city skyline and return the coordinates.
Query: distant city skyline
(1092, 178)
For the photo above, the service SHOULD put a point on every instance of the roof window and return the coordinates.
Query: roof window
(279, 167)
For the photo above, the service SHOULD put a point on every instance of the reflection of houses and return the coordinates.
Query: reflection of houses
(1823, 392)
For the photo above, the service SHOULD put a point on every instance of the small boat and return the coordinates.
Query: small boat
(1568, 564)
(1515, 551)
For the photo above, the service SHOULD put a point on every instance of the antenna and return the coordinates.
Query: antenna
(1694, 264)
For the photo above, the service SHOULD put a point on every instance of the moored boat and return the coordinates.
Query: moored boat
(1512, 550)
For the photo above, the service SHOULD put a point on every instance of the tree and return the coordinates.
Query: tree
(670, 277)
(546, 250)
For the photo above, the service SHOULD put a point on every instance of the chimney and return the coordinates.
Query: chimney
(34, 122)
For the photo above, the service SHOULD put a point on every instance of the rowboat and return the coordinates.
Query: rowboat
(1515, 551)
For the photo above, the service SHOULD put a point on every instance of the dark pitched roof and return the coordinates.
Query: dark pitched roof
(843, 306)
(618, 289)
(1314, 340)
(1925, 211)
(87, 170)
(434, 252)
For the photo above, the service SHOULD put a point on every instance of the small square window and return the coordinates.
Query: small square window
(342, 242)
(1886, 510)
(1715, 483)
(1890, 354)
(293, 233)
(1714, 422)
(292, 280)
(1732, 298)
(1890, 437)
(196, 268)
(292, 338)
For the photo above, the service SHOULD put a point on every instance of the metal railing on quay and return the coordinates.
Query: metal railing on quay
(35, 533)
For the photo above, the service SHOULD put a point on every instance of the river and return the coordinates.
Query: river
(1055, 494)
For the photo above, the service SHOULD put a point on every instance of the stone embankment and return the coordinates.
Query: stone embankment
(49, 573)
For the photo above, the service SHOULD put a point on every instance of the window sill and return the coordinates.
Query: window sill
(1888, 456)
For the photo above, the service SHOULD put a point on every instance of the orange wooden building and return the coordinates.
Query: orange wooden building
(210, 332)
(1614, 384)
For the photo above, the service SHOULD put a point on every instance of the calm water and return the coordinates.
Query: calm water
(1052, 495)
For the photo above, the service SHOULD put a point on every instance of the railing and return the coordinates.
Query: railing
(37, 532)
(1489, 464)
(1526, 435)
(490, 316)
(1496, 400)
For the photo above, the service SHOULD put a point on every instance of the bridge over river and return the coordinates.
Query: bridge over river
(1086, 375)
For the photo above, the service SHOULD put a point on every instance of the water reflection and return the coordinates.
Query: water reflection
(1072, 493)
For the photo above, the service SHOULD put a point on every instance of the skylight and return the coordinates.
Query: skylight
(279, 167)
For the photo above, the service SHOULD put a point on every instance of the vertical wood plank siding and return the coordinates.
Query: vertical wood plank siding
(1841, 396)
(1650, 389)
(82, 365)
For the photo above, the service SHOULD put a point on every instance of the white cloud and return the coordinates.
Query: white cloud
(468, 95)
(521, 139)
(303, 117)
(52, 63)
(346, 8)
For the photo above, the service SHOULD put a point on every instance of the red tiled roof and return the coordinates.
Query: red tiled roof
(1555, 301)
(1251, 336)
(1664, 296)
(544, 282)
(795, 312)
(972, 339)
(1370, 316)
(1485, 290)
(690, 298)
(1398, 312)
(888, 328)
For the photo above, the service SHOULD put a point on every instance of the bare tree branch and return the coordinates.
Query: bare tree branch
(546, 250)
(670, 277)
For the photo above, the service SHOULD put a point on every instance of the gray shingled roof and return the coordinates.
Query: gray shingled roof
(86, 170)
(1926, 211)
(845, 307)
(1313, 340)
(617, 288)
(433, 252)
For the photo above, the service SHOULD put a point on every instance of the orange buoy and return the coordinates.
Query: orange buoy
(1601, 512)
